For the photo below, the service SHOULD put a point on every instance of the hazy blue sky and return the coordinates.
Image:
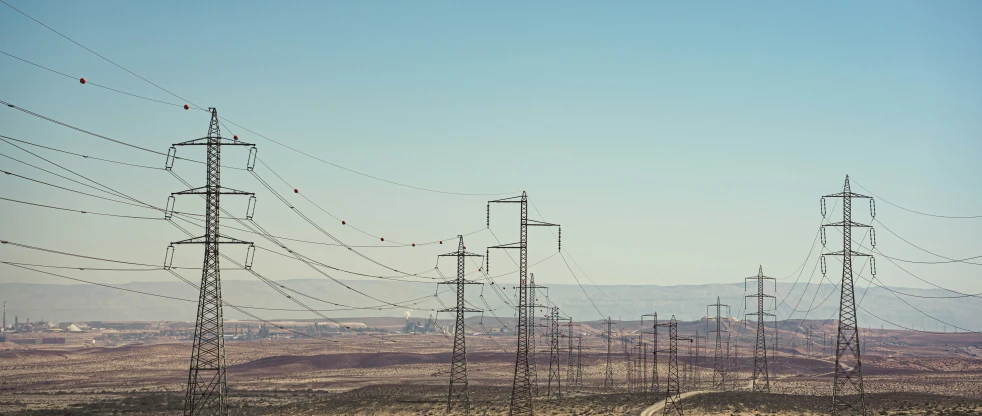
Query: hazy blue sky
(677, 143)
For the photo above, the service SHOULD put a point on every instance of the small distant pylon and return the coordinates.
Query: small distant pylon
(458, 394)
(673, 394)
(719, 362)
(555, 368)
(579, 361)
(570, 371)
(608, 368)
(655, 385)
(761, 378)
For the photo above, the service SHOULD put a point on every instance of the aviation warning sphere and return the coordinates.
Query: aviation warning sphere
(187, 107)
(82, 80)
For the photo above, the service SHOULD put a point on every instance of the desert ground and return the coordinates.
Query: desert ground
(406, 374)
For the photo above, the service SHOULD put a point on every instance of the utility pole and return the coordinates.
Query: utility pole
(848, 395)
(761, 377)
(457, 394)
(555, 368)
(673, 395)
(608, 369)
(655, 385)
(521, 391)
(207, 387)
(719, 364)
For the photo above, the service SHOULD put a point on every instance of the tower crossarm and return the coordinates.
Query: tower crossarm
(843, 224)
(846, 194)
(853, 253)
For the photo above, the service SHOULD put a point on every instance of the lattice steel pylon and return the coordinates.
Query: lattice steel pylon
(570, 375)
(848, 395)
(609, 368)
(458, 394)
(521, 392)
(579, 361)
(761, 376)
(207, 387)
(655, 384)
(555, 368)
(719, 359)
(673, 394)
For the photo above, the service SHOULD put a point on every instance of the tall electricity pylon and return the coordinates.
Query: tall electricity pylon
(655, 385)
(207, 388)
(458, 395)
(719, 359)
(673, 395)
(555, 368)
(761, 377)
(533, 325)
(848, 395)
(521, 391)
(609, 368)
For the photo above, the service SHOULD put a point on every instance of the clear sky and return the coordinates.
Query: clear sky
(677, 143)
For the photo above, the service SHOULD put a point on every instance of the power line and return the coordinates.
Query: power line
(917, 212)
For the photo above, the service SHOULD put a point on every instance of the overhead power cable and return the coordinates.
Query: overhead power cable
(913, 211)
(377, 178)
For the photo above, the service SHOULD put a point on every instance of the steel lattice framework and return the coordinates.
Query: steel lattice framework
(207, 387)
(848, 395)
(761, 377)
(555, 368)
(673, 394)
(570, 375)
(457, 396)
(521, 392)
(608, 368)
(719, 359)
(655, 384)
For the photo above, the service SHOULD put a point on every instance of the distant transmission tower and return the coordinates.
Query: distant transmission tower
(609, 368)
(673, 395)
(570, 372)
(555, 368)
(458, 395)
(207, 388)
(521, 392)
(761, 377)
(655, 384)
(719, 359)
(579, 361)
(848, 395)
(533, 325)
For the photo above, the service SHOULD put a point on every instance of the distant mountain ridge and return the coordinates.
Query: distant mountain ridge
(81, 302)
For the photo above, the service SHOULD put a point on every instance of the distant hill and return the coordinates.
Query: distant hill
(66, 303)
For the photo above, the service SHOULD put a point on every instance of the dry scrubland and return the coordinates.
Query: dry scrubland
(360, 375)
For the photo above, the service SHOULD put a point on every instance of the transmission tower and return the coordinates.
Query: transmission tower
(521, 392)
(673, 394)
(555, 368)
(533, 336)
(655, 384)
(719, 362)
(570, 375)
(458, 395)
(579, 361)
(761, 377)
(848, 396)
(207, 388)
(609, 369)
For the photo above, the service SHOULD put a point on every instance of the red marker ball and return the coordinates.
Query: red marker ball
(465, 247)
(344, 223)
(383, 239)
(296, 191)
(187, 107)
(441, 242)
(414, 244)
(82, 80)
(236, 137)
